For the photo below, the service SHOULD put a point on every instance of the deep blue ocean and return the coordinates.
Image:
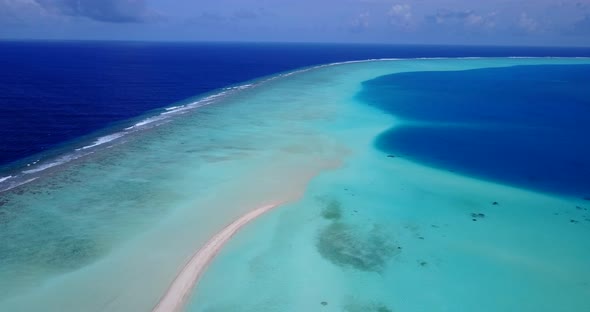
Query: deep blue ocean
(54, 93)
(524, 125)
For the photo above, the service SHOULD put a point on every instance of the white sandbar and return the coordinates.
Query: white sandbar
(180, 289)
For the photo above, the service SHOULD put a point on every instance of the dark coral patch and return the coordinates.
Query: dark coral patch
(370, 307)
(59, 254)
(69, 253)
(332, 210)
(476, 215)
(347, 246)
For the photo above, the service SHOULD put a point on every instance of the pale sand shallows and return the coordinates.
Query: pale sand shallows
(180, 289)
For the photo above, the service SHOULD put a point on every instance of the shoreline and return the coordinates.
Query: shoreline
(183, 284)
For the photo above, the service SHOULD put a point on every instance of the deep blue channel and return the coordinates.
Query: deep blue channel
(526, 126)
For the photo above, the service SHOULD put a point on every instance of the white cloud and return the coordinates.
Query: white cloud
(466, 18)
(110, 11)
(527, 23)
(21, 11)
(38, 11)
(400, 15)
(361, 22)
(403, 11)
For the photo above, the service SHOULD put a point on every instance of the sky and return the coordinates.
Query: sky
(488, 22)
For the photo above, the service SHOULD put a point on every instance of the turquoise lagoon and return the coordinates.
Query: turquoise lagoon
(360, 231)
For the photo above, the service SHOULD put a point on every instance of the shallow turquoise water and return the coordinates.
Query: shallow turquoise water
(109, 231)
(387, 234)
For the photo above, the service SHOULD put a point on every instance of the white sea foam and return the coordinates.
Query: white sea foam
(179, 109)
(13, 185)
(173, 107)
(59, 161)
(214, 96)
(242, 87)
(45, 166)
(103, 140)
(2, 179)
(33, 163)
(147, 121)
(202, 102)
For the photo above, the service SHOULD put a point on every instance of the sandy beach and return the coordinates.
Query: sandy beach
(179, 291)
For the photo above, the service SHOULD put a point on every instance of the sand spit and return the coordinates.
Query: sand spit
(180, 289)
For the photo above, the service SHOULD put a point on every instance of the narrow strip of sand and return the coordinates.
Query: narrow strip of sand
(179, 291)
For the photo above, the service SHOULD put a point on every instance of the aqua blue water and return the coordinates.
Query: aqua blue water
(383, 233)
(108, 224)
(522, 125)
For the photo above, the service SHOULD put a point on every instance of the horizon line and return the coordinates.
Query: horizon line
(3, 40)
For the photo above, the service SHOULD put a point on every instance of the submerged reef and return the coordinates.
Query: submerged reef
(367, 307)
(349, 246)
(70, 253)
(332, 210)
(57, 253)
(477, 215)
